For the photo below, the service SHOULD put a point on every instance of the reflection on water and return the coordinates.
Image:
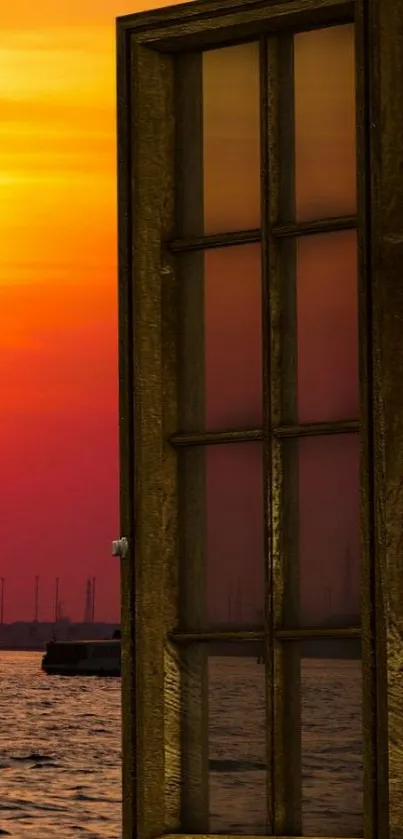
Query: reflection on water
(237, 760)
(60, 749)
(331, 747)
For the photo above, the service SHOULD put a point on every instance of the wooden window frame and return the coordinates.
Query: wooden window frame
(146, 44)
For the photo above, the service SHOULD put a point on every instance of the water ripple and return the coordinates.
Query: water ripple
(53, 733)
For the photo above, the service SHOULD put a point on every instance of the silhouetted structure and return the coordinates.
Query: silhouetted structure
(57, 606)
(88, 610)
(3, 580)
(93, 601)
(36, 607)
(27, 635)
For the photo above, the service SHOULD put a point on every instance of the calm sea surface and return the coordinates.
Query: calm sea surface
(60, 750)
(60, 753)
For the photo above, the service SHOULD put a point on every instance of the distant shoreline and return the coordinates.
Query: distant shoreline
(25, 649)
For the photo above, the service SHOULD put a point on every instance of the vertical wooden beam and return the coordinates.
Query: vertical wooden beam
(284, 456)
(373, 640)
(126, 454)
(151, 747)
(266, 140)
(382, 27)
(189, 213)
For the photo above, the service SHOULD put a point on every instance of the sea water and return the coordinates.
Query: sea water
(60, 750)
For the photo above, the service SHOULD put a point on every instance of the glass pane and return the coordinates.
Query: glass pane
(322, 531)
(225, 743)
(222, 553)
(329, 723)
(327, 327)
(221, 339)
(325, 123)
(218, 141)
(231, 151)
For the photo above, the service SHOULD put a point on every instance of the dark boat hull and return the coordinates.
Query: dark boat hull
(82, 658)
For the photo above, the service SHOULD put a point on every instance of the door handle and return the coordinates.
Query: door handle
(120, 548)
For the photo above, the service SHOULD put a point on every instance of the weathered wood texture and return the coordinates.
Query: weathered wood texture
(126, 453)
(283, 456)
(151, 764)
(383, 22)
(189, 215)
(151, 667)
(194, 25)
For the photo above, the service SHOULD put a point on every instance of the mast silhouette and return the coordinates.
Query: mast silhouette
(3, 580)
(36, 608)
(57, 600)
(93, 601)
(347, 581)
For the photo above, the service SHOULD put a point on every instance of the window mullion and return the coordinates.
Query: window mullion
(146, 717)
(285, 676)
(267, 470)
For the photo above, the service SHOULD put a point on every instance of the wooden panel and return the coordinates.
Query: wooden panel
(154, 420)
(196, 25)
(126, 453)
(146, 750)
(199, 11)
(151, 760)
(381, 29)
(373, 669)
(189, 215)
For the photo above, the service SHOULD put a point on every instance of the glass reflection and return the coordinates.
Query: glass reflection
(331, 739)
(221, 491)
(323, 533)
(221, 339)
(325, 123)
(327, 327)
(230, 744)
(231, 138)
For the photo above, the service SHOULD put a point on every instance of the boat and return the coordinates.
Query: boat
(82, 658)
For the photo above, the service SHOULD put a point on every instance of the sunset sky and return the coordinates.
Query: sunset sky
(58, 338)
(58, 287)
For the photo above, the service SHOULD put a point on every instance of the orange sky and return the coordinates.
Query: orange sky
(58, 354)
(58, 337)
